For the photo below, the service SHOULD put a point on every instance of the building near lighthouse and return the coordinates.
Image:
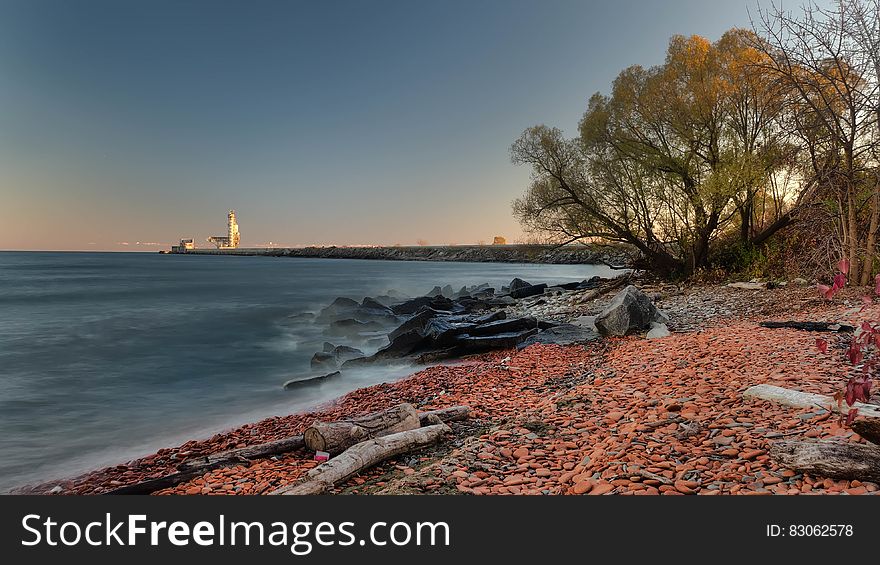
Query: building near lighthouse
(232, 237)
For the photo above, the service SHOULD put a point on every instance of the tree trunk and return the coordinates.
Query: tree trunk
(868, 266)
(832, 459)
(853, 235)
(363, 456)
(336, 437)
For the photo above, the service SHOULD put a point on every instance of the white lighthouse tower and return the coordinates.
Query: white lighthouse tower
(232, 237)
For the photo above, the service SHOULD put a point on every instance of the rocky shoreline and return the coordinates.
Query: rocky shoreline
(620, 415)
(525, 253)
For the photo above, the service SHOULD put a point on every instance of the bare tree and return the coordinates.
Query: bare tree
(828, 61)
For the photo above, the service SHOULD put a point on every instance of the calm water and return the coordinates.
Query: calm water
(108, 356)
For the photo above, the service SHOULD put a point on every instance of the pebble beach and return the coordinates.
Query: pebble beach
(622, 416)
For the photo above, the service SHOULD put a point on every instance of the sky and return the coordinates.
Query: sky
(127, 125)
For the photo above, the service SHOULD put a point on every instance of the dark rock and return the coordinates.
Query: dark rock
(415, 322)
(345, 353)
(328, 347)
(442, 303)
(351, 328)
(473, 304)
(411, 306)
(505, 326)
(501, 301)
(569, 286)
(404, 344)
(441, 332)
(375, 312)
(483, 293)
(525, 292)
(323, 360)
(488, 318)
(310, 381)
(497, 341)
(565, 334)
(630, 310)
(372, 303)
(517, 284)
(339, 308)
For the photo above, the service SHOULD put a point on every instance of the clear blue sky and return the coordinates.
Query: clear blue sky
(319, 122)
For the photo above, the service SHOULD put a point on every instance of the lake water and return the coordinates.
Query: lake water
(109, 356)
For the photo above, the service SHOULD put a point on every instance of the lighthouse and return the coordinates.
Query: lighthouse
(232, 237)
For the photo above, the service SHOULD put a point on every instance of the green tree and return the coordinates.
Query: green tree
(673, 158)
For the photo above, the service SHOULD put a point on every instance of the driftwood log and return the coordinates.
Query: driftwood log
(193, 468)
(451, 414)
(363, 456)
(798, 399)
(832, 459)
(809, 326)
(336, 437)
(868, 428)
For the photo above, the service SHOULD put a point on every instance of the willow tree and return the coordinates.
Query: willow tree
(674, 158)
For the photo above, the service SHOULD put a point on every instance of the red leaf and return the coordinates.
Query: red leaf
(838, 396)
(855, 354)
(826, 291)
(866, 301)
(843, 266)
(822, 345)
(851, 415)
(839, 281)
(867, 327)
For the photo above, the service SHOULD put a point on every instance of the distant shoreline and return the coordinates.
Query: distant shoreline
(549, 254)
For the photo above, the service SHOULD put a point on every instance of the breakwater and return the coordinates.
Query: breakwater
(550, 254)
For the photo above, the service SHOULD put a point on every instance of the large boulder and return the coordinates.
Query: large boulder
(416, 322)
(294, 384)
(340, 308)
(564, 334)
(322, 360)
(495, 341)
(631, 310)
(411, 306)
(345, 353)
(504, 326)
(532, 290)
(402, 345)
(352, 328)
(517, 284)
(441, 332)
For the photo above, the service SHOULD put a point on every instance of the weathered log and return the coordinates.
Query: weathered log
(235, 456)
(832, 459)
(193, 468)
(450, 414)
(336, 437)
(868, 428)
(363, 456)
(797, 399)
(809, 326)
(152, 485)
